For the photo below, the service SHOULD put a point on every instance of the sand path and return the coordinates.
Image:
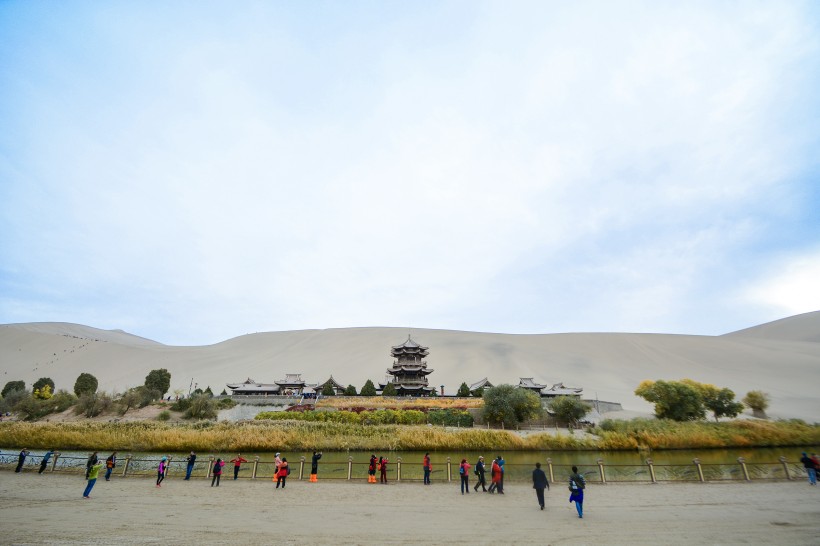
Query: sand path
(48, 509)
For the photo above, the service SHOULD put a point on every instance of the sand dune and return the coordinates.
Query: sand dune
(781, 358)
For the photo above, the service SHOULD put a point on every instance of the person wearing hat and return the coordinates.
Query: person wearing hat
(811, 470)
(161, 469)
(479, 472)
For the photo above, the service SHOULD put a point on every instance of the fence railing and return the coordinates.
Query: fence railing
(444, 470)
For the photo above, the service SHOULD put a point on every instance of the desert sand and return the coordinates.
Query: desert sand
(781, 358)
(48, 509)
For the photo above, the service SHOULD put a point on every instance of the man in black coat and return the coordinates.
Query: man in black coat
(479, 471)
(539, 483)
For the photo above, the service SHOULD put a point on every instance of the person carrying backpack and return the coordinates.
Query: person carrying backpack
(464, 471)
(218, 464)
(576, 489)
(110, 465)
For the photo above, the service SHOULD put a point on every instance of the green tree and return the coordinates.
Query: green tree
(327, 389)
(350, 391)
(85, 384)
(42, 382)
(223, 393)
(758, 401)
(723, 404)
(202, 407)
(159, 381)
(129, 399)
(208, 391)
(463, 391)
(92, 404)
(389, 390)
(369, 389)
(479, 392)
(569, 409)
(13, 386)
(510, 405)
(673, 400)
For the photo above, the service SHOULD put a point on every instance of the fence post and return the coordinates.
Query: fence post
(349, 468)
(601, 468)
(651, 466)
(165, 470)
(785, 467)
(449, 471)
(57, 456)
(398, 469)
(255, 466)
(210, 465)
(742, 462)
(127, 464)
(549, 466)
(301, 467)
(700, 469)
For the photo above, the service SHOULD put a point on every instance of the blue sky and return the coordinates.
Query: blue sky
(193, 171)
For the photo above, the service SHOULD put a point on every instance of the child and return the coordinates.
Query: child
(282, 475)
(383, 469)
(217, 472)
(163, 465)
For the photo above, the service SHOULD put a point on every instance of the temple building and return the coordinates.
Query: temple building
(482, 384)
(337, 387)
(291, 384)
(409, 372)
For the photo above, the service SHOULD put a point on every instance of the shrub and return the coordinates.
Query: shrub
(225, 403)
(85, 384)
(510, 405)
(11, 399)
(673, 400)
(450, 418)
(202, 407)
(569, 409)
(182, 404)
(92, 404)
(164, 415)
(758, 401)
(350, 391)
(158, 381)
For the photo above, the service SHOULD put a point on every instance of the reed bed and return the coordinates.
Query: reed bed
(264, 436)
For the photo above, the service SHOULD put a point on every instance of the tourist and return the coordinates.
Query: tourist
(110, 465)
(427, 468)
(282, 474)
(501, 463)
(479, 472)
(237, 463)
(21, 459)
(218, 464)
(539, 483)
(190, 467)
(808, 464)
(495, 476)
(576, 488)
(371, 470)
(161, 469)
(464, 471)
(383, 469)
(93, 472)
(314, 466)
(44, 462)
(92, 460)
(277, 462)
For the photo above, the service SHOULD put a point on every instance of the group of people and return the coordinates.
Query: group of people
(812, 466)
(373, 466)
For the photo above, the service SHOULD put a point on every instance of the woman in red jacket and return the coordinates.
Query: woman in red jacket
(282, 475)
(495, 472)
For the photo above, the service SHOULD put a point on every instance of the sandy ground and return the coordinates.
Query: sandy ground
(48, 509)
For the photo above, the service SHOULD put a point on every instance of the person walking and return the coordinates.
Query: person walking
(277, 462)
(495, 476)
(92, 460)
(314, 466)
(427, 468)
(237, 463)
(93, 472)
(808, 464)
(539, 483)
(44, 462)
(282, 475)
(163, 466)
(576, 489)
(479, 472)
(217, 471)
(501, 463)
(110, 465)
(383, 469)
(371, 469)
(190, 466)
(464, 472)
(21, 459)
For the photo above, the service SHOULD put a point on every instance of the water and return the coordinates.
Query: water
(677, 465)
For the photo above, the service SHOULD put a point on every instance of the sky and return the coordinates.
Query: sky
(194, 171)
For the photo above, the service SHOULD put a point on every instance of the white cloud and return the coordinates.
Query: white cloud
(791, 287)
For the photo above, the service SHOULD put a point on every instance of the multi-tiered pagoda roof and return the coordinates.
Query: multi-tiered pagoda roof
(409, 372)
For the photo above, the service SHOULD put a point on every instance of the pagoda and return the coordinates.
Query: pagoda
(409, 371)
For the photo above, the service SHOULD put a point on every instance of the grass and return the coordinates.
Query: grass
(302, 436)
